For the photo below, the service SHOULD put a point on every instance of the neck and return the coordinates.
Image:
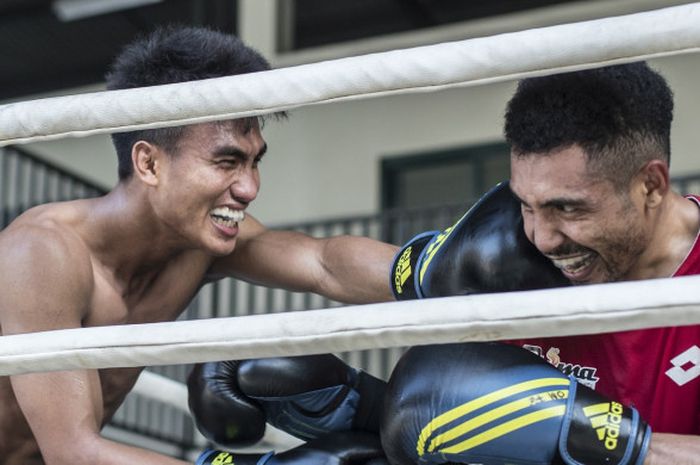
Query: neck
(676, 226)
(128, 238)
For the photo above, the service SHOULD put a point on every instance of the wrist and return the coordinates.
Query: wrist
(405, 265)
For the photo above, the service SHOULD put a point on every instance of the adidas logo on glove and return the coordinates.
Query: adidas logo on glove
(605, 419)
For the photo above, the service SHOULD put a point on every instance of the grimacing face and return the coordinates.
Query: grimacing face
(206, 186)
(589, 230)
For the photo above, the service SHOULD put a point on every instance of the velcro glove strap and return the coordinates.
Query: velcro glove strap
(431, 248)
(219, 457)
(599, 431)
(312, 414)
(404, 268)
(265, 458)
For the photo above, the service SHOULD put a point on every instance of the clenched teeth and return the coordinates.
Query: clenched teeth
(573, 264)
(226, 216)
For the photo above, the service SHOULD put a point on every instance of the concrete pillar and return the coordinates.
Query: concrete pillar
(257, 25)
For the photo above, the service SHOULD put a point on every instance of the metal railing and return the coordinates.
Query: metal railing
(26, 181)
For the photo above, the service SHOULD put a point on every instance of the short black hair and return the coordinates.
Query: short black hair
(620, 115)
(175, 54)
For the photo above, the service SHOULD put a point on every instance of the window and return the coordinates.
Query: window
(455, 176)
(313, 23)
(430, 191)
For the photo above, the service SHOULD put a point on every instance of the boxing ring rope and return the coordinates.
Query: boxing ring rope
(568, 47)
(162, 389)
(552, 312)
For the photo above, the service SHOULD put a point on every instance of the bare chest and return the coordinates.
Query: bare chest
(163, 299)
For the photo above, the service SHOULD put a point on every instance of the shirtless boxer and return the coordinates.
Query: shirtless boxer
(140, 254)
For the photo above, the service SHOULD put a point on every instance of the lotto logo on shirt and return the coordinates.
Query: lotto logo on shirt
(686, 366)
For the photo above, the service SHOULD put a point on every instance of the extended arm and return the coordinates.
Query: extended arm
(678, 449)
(47, 283)
(345, 268)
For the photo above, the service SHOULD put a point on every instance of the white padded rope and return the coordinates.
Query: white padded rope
(565, 311)
(163, 389)
(501, 57)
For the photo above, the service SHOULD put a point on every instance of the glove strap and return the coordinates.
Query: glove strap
(369, 409)
(311, 414)
(214, 457)
(265, 458)
(599, 431)
(220, 457)
(404, 268)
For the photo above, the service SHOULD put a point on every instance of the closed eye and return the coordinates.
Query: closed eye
(567, 205)
(227, 162)
(567, 208)
(525, 208)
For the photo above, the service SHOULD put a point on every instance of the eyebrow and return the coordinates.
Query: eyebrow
(564, 201)
(232, 151)
(555, 202)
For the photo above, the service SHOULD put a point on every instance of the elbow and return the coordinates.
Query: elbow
(83, 451)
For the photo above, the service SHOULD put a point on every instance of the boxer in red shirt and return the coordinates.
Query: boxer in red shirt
(589, 162)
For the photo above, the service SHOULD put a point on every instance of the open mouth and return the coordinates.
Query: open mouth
(226, 217)
(575, 265)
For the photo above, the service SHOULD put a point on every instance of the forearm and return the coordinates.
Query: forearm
(677, 449)
(102, 451)
(357, 269)
(350, 269)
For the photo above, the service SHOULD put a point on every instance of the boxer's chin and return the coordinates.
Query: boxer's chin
(223, 239)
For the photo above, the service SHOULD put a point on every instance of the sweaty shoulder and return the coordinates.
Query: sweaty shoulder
(46, 272)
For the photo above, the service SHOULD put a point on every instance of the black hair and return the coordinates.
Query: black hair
(175, 54)
(619, 115)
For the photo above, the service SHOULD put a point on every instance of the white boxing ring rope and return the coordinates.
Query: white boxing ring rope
(162, 389)
(553, 312)
(588, 44)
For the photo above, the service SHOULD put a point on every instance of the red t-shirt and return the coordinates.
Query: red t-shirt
(656, 370)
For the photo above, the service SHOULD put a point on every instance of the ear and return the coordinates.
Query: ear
(146, 159)
(655, 182)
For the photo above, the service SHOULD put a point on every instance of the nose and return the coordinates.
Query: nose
(542, 232)
(246, 185)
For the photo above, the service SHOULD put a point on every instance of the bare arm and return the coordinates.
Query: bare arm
(677, 449)
(47, 284)
(345, 268)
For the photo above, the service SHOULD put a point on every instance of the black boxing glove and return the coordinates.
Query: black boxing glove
(221, 412)
(498, 404)
(312, 395)
(485, 251)
(342, 448)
